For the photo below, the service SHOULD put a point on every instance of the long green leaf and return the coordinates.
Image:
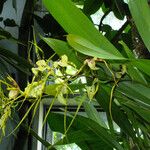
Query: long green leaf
(103, 98)
(86, 47)
(141, 15)
(94, 114)
(142, 65)
(85, 139)
(142, 111)
(56, 123)
(135, 74)
(135, 91)
(75, 22)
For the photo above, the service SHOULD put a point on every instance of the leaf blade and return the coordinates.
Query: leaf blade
(86, 47)
(75, 22)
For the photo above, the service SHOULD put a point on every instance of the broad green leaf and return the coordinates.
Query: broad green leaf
(127, 50)
(86, 47)
(85, 139)
(135, 74)
(136, 91)
(141, 15)
(143, 112)
(103, 98)
(94, 145)
(142, 65)
(62, 48)
(94, 114)
(56, 123)
(75, 22)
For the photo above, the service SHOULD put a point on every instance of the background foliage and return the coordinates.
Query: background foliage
(114, 63)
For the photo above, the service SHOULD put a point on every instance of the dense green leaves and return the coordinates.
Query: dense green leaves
(82, 124)
(139, 98)
(122, 81)
(127, 96)
(137, 92)
(140, 110)
(75, 22)
(103, 98)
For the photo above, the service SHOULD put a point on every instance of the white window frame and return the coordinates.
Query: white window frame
(43, 103)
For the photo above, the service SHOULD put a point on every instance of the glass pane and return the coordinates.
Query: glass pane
(53, 137)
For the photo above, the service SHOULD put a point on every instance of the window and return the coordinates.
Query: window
(47, 134)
